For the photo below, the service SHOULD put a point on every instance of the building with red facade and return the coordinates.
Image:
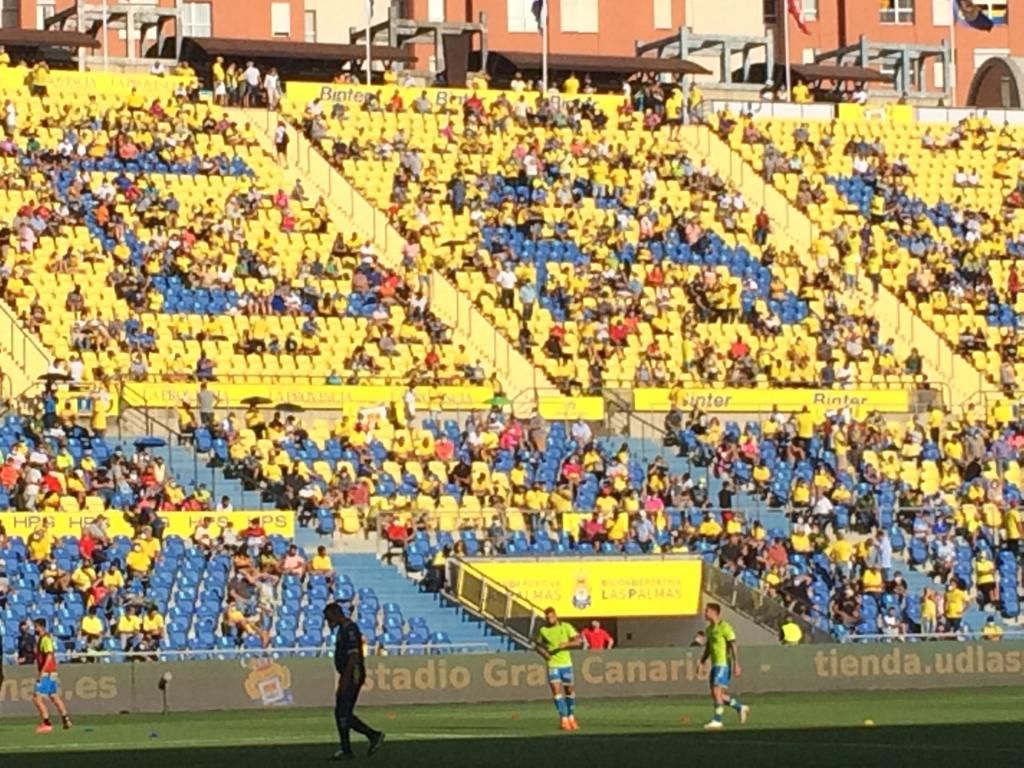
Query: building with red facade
(596, 27)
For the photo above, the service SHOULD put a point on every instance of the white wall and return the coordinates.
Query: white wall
(334, 17)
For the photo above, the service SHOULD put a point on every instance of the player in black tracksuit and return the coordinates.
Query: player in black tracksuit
(351, 668)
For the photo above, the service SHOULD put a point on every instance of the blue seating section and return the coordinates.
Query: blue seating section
(189, 589)
(711, 251)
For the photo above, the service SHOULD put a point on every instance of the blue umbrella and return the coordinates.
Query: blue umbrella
(150, 442)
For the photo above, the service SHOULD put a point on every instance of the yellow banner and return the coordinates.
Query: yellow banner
(586, 587)
(444, 99)
(311, 396)
(788, 400)
(69, 81)
(178, 523)
(564, 408)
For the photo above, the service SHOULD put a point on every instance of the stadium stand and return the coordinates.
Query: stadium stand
(595, 240)
(155, 240)
(933, 216)
(527, 159)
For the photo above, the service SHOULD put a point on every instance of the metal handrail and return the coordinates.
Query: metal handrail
(1008, 634)
(456, 570)
(323, 650)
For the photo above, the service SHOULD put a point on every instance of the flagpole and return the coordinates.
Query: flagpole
(952, 57)
(545, 42)
(369, 49)
(785, 37)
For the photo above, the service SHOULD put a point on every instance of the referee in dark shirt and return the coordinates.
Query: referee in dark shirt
(351, 668)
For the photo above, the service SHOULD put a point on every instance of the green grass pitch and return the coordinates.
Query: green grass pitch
(936, 728)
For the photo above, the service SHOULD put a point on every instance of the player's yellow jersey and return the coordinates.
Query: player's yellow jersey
(552, 637)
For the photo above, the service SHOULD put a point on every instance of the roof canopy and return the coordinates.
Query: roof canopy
(838, 73)
(566, 62)
(46, 38)
(284, 49)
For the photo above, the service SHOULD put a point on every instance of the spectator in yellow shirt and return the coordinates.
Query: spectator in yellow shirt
(152, 629)
(991, 630)
(956, 605)
(91, 631)
(129, 629)
(321, 565)
(872, 582)
(138, 562)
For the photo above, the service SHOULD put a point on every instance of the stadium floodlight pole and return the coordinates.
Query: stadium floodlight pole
(785, 39)
(952, 56)
(369, 49)
(106, 37)
(545, 44)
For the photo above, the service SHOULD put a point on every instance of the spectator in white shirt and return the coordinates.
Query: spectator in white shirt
(272, 85)
(506, 280)
(250, 84)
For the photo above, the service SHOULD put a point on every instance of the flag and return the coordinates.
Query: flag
(539, 11)
(972, 15)
(797, 12)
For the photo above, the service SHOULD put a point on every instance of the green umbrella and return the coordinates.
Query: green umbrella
(499, 401)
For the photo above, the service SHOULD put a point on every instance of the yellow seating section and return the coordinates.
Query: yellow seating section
(202, 199)
(991, 152)
(454, 245)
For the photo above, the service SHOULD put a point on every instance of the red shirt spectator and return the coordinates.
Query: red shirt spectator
(9, 474)
(739, 349)
(359, 495)
(86, 546)
(444, 449)
(397, 533)
(254, 530)
(597, 638)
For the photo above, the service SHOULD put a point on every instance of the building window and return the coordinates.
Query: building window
(891, 68)
(44, 10)
(580, 16)
(770, 11)
(196, 20)
(897, 12)
(663, 14)
(435, 10)
(309, 26)
(520, 16)
(997, 10)
(281, 19)
(809, 10)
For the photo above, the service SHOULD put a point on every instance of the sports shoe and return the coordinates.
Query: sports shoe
(714, 725)
(744, 713)
(565, 725)
(66, 723)
(342, 755)
(376, 742)
(44, 728)
(573, 724)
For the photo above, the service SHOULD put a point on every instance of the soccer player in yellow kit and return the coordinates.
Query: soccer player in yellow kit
(553, 641)
(720, 649)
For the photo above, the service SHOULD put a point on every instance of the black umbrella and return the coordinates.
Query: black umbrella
(289, 408)
(150, 442)
(257, 400)
(53, 376)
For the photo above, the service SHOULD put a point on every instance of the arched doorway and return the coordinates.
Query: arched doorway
(998, 84)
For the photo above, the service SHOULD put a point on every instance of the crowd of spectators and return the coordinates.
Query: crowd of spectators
(571, 240)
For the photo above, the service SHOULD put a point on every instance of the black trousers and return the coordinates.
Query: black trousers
(345, 717)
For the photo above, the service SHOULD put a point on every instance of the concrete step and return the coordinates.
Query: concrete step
(365, 570)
